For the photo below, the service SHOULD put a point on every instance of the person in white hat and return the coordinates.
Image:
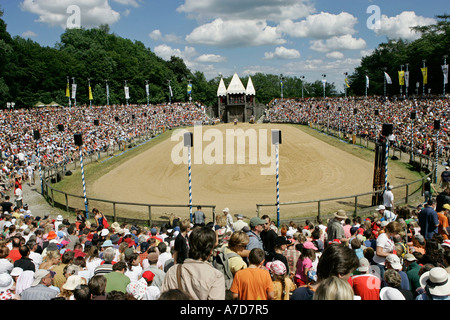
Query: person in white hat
(227, 214)
(335, 230)
(388, 215)
(428, 190)
(436, 285)
(388, 198)
(6, 283)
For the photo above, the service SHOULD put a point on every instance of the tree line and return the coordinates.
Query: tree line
(30, 72)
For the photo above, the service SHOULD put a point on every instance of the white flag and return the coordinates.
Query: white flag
(107, 91)
(127, 93)
(407, 79)
(74, 91)
(170, 89)
(388, 78)
(147, 89)
(445, 72)
(367, 81)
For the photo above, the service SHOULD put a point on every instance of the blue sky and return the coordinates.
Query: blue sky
(291, 37)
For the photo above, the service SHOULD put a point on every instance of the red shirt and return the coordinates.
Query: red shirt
(367, 286)
(14, 255)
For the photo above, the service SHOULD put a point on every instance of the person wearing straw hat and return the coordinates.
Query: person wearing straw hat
(335, 230)
(40, 288)
(436, 284)
(6, 284)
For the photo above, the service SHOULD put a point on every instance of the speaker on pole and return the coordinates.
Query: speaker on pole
(355, 111)
(36, 134)
(96, 122)
(437, 124)
(276, 137)
(377, 112)
(188, 139)
(60, 127)
(413, 115)
(78, 138)
(387, 129)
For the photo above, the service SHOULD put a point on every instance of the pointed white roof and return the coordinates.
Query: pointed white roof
(236, 86)
(250, 88)
(222, 90)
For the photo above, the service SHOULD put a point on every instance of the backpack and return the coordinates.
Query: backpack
(221, 264)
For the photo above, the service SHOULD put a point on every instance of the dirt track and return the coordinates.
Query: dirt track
(309, 169)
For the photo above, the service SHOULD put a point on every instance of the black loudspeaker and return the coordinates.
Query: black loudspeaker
(437, 125)
(60, 127)
(387, 129)
(276, 136)
(36, 134)
(413, 115)
(78, 138)
(117, 119)
(133, 117)
(96, 122)
(377, 112)
(188, 139)
(355, 111)
(339, 109)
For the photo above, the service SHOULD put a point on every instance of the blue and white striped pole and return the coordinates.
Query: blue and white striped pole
(40, 167)
(386, 164)
(84, 184)
(437, 158)
(278, 183)
(276, 140)
(188, 142)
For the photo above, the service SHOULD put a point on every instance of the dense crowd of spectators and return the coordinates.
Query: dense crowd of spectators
(357, 115)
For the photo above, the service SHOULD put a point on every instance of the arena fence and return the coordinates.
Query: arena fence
(136, 213)
(144, 213)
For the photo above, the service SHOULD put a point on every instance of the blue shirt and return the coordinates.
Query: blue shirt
(428, 222)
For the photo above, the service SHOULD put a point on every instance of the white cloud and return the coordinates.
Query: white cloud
(158, 36)
(29, 34)
(320, 26)
(400, 25)
(282, 53)
(271, 10)
(346, 42)
(166, 52)
(335, 55)
(211, 58)
(54, 12)
(132, 3)
(236, 33)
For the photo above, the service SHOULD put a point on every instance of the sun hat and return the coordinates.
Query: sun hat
(39, 275)
(446, 243)
(59, 218)
(226, 210)
(107, 243)
(389, 293)
(436, 280)
(6, 282)
(104, 232)
(409, 257)
(363, 265)
(309, 245)
(15, 272)
(446, 206)
(256, 221)
(276, 267)
(394, 260)
(340, 214)
(148, 275)
(51, 235)
(137, 288)
(381, 207)
(73, 282)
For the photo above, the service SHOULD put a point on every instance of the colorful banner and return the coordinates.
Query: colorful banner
(445, 72)
(147, 89)
(127, 93)
(74, 91)
(367, 81)
(346, 83)
(388, 78)
(401, 78)
(68, 90)
(189, 88)
(90, 94)
(425, 75)
(407, 79)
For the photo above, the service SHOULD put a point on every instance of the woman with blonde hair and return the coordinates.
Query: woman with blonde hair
(334, 288)
(52, 259)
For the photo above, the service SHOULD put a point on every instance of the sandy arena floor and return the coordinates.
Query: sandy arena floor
(309, 169)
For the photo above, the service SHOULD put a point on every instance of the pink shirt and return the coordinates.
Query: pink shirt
(303, 264)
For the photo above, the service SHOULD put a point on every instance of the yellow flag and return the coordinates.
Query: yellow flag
(346, 83)
(90, 94)
(425, 75)
(67, 91)
(401, 78)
